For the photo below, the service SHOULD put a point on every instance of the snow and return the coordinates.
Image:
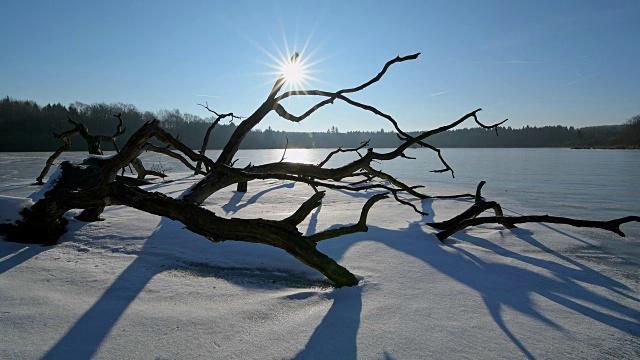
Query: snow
(139, 286)
(11, 207)
(100, 157)
(53, 180)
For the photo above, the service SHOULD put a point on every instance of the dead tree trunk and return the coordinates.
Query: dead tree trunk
(92, 185)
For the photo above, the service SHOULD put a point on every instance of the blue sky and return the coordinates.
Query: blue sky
(565, 62)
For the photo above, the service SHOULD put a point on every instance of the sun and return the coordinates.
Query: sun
(294, 70)
(294, 67)
(293, 73)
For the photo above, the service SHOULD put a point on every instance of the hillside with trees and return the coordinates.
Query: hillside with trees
(27, 126)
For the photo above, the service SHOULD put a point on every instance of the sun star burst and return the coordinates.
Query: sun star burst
(294, 70)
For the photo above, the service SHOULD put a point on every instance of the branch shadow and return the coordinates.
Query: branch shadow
(313, 221)
(14, 254)
(505, 284)
(338, 331)
(87, 334)
(565, 288)
(233, 206)
(85, 337)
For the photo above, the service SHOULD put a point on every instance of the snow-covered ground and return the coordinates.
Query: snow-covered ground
(139, 286)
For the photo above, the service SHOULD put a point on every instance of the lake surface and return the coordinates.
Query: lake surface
(586, 184)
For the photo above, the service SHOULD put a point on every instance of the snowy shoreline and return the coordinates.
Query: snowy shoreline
(137, 286)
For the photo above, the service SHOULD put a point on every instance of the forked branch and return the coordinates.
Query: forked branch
(93, 142)
(360, 226)
(470, 218)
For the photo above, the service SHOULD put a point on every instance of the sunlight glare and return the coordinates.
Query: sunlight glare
(296, 67)
(293, 72)
(303, 156)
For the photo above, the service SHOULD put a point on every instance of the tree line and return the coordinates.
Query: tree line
(27, 126)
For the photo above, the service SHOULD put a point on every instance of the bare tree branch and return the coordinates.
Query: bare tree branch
(119, 129)
(285, 149)
(205, 141)
(93, 142)
(469, 218)
(375, 79)
(479, 206)
(305, 209)
(610, 225)
(360, 226)
(165, 151)
(341, 150)
(66, 146)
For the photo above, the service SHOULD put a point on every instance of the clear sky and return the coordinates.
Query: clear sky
(566, 62)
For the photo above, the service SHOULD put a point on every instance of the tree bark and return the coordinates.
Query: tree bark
(469, 218)
(609, 225)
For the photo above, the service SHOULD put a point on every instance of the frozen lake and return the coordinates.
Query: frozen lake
(588, 184)
(151, 289)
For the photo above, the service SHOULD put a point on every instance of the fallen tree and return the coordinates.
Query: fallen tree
(93, 184)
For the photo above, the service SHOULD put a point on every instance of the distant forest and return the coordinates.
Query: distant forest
(26, 126)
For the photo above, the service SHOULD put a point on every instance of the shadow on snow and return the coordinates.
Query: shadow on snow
(500, 285)
(337, 332)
